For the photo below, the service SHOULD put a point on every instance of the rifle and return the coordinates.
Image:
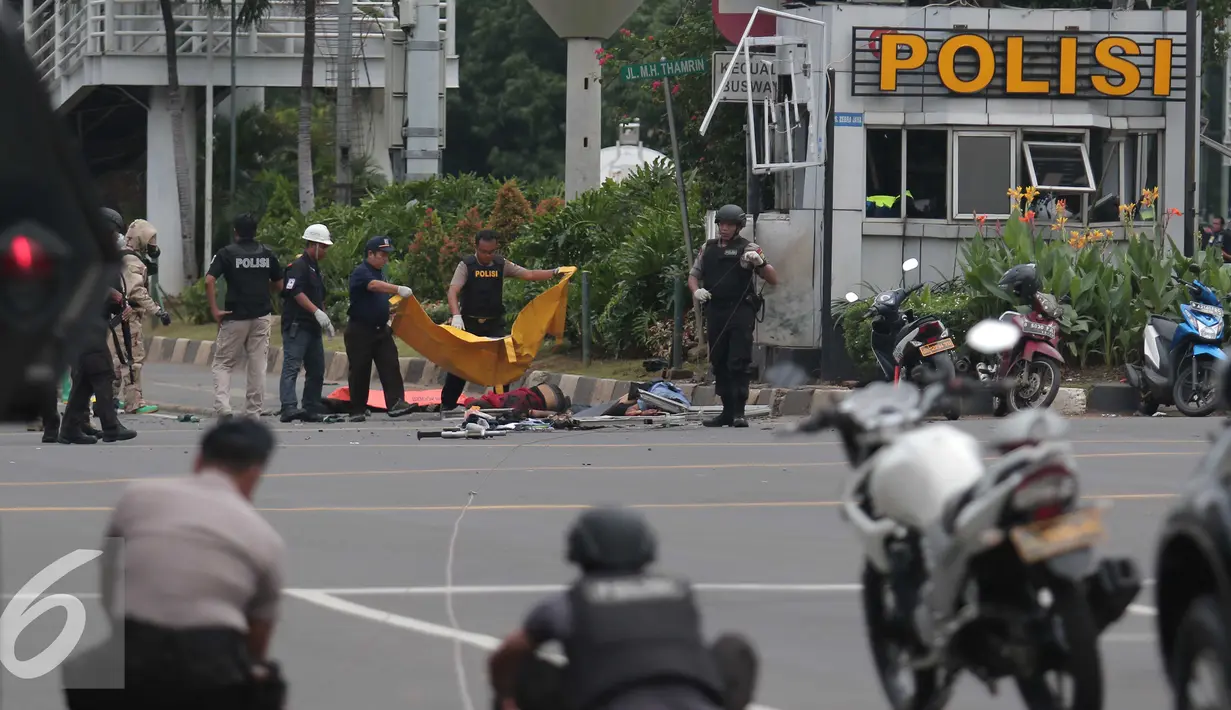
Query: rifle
(125, 352)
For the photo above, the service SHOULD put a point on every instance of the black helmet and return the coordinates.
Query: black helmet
(1021, 281)
(611, 539)
(113, 218)
(731, 213)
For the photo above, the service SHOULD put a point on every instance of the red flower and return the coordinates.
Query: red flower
(603, 60)
(656, 85)
(650, 38)
(675, 89)
(626, 32)
(598, 51)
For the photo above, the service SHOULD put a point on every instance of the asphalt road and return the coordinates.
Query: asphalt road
(368, 514)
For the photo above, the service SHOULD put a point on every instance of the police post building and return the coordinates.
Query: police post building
(937, 112)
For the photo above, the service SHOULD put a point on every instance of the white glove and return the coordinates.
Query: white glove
(458, 323)
(404, 291)
(753, 259)
(701, 295)
(323, 318)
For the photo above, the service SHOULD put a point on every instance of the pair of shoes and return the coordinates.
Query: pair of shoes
(357, 418)
(726, 420)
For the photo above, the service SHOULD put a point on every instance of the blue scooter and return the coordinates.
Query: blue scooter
(1180, 359)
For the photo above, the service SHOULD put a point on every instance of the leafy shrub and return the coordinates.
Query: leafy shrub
(1114, 286)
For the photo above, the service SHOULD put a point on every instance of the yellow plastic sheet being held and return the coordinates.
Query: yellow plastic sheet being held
(486, 361)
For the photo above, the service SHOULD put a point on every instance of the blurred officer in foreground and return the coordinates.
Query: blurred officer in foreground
(304, 321)
(632, 639)
(198, 580)
(368, 337)
(728, 267)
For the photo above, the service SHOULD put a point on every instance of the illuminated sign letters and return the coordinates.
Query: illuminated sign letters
(905, 52)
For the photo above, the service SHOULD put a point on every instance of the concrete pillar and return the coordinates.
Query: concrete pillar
(583, 118)
(162, 206)
(372, 129)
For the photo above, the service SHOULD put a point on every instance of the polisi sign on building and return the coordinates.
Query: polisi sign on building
(760, 77)
(1018, 64)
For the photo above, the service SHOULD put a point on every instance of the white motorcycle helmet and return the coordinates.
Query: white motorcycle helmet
(317, 233)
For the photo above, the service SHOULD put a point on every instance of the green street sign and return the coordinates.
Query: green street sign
(669, 68)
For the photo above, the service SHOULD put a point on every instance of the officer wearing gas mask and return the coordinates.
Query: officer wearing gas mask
(728, 267)
(632, 638)
(138, 252)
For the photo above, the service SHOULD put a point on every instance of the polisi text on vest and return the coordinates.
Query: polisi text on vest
(249, 262)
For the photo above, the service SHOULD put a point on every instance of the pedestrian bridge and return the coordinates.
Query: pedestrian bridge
(105, 65)
(79, 45)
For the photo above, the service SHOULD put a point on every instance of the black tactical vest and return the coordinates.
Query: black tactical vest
(633, 631)
(723, 276)
(482, 295)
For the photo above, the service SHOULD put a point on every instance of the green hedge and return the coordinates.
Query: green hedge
(627, 235)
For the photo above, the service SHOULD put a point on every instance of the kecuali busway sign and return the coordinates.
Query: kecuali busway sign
(1018, 64)
(760, 78)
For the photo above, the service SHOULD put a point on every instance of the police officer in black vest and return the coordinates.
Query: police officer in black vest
(728, 266)
(476, 298)
(632, 639)
(94, 377)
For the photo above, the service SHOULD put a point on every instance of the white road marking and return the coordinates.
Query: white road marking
(481, 641)
(1142, 610)
(549, 588)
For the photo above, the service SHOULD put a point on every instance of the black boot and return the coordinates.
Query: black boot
(739, 397)
(724, 419)
(71, 433)
(291, 414)
(89, 429)
(119, 433)
(51, 430)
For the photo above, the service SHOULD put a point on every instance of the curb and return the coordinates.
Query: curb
(587, 391)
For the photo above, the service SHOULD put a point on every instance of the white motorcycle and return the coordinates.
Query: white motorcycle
(973, 566)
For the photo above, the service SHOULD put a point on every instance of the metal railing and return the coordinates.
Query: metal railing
(61, 33)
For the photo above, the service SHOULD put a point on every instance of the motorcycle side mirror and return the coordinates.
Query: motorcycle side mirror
(910, 265)
(992, 336)
(851, 297)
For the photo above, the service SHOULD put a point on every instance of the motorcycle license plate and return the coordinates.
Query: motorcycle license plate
(937, 347)
(1207, 309)
(1050, 538)
(1046, 330)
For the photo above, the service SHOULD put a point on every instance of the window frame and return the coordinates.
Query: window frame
(902, 183)
(1085, 160)
(955, 172)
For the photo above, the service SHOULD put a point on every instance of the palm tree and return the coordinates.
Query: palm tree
(250, 12)
(307, 190)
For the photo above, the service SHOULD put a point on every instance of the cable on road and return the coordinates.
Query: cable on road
(459, 667)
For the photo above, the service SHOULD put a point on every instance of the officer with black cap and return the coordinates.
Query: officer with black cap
(368, 337)
(632, 639)
(728, 266)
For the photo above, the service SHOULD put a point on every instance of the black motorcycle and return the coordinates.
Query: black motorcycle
(913, 349)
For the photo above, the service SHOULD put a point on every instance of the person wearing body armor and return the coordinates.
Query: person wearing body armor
(632, 639)
(93, 376)
(304, 322)
(138, 249)
(476, 299)
(253, 274)
(728, 267)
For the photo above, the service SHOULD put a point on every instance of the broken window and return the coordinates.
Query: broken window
(984, 166)
(1141, 165)
(883, 167)
(1106, 153)
(1059, 167)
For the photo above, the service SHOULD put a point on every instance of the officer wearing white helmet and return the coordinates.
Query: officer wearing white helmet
(304, 322)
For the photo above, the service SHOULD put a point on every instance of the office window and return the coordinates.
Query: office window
(883, 167)
(1059, 167)
(918, 155)
(927, 173)
(984, 167)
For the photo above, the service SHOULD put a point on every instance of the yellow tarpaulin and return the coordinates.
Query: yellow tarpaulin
(486, 361)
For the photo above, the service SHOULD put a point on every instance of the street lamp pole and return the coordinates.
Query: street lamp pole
(1192, 93)
(234, 131)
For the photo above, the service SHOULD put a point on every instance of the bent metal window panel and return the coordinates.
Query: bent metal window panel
(1018, 64)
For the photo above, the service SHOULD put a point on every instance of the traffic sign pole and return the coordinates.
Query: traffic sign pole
(683, 194)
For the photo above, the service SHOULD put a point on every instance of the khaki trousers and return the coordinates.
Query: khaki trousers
(241, 340)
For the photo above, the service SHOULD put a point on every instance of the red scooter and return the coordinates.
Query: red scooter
(1034, 362)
